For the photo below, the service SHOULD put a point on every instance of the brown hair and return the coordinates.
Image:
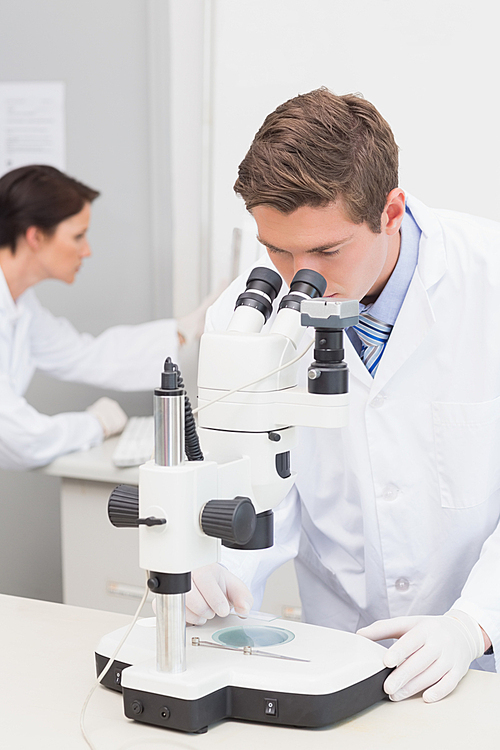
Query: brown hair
(40, 196)
(317, 148)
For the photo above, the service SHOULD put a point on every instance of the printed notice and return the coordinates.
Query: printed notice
(32, 125)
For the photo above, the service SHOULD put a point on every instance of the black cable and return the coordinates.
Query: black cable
(191, 439)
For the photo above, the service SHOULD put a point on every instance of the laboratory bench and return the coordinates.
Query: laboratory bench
(48, 670)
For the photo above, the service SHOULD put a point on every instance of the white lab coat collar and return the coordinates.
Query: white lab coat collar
(10, 309)
(432, 253)
(416, 317)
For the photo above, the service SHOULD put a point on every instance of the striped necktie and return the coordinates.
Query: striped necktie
(373, 334)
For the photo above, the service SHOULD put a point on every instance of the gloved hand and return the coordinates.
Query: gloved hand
(191, 326)
(214, 591)
(110, 414)
(433, 653)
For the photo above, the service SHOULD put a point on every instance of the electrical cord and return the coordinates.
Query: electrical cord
(192, 443)
(106, 669)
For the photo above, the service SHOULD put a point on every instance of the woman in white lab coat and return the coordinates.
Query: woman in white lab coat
(44, 216)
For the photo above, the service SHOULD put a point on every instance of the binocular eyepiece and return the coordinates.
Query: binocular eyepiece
(264, 285)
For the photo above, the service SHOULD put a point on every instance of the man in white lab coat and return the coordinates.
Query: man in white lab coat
(393, 520)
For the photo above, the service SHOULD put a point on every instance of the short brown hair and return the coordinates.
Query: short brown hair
(317, 148)
(38, 195)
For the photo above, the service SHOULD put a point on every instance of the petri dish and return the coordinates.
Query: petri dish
(256, 636)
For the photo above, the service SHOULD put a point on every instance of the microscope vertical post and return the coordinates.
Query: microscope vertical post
(169, 451)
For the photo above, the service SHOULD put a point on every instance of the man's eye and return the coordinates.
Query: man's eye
(329, 254)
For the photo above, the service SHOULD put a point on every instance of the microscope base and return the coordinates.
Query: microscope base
(341, 675)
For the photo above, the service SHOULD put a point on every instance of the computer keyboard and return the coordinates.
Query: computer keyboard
(136, 443)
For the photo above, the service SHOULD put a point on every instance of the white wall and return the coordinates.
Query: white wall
(189, 240)
(430, 67)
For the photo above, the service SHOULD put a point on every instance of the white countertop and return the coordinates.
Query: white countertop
(94, 464)
(47, 669)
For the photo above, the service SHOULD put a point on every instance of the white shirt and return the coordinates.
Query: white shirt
(398, 512)
(122, 358)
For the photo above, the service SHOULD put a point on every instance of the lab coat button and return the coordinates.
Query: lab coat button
(378, 401)
(391, 492)
(402, 584)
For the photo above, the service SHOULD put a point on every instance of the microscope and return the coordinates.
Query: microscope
(216, 484)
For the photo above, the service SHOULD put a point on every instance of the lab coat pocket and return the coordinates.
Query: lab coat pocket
(467, 444)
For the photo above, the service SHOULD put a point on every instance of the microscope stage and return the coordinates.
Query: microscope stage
(323, 675)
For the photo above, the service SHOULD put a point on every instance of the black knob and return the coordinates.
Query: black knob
(123, 506)
(231, 520)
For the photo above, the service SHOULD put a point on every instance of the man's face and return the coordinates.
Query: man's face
(355, 261)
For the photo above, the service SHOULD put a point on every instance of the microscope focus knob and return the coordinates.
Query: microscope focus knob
(123, 506)
(230, 520)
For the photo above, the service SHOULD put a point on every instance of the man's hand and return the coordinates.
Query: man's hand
(214, 590)
(432, 654)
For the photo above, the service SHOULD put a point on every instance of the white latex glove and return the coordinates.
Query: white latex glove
(214, 590)
(110, 415)
(190, 327)
(433, 653)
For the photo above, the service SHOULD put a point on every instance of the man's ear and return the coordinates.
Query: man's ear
(394, 211)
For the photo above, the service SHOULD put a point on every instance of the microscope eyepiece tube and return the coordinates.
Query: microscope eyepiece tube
(310, 283)
(255, 305)
(306, 284)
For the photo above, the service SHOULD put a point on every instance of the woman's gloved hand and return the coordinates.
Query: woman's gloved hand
(190, 327)
(432, 654)
(214, 590)
(110, 414)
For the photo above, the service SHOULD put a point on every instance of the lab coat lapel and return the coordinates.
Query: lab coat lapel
(416, 317)
(357, 368)
(20, 350)
(413, 323)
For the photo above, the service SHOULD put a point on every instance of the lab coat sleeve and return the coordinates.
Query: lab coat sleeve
(255, 566)
(124, 358)
(480, 597)
(29, 439)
